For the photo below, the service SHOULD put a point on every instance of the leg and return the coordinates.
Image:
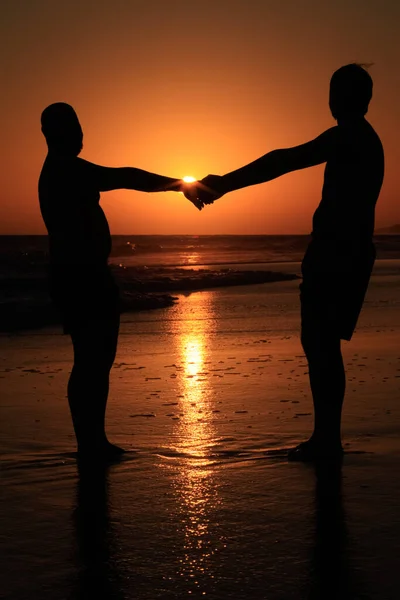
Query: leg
(95, 347)
(321, 341)
(332, 293)
(328, 382)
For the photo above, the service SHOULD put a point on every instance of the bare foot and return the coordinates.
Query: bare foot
(107, 452)
(311, 451)
(113, 451)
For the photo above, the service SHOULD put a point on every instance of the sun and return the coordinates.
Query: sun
(189, 179)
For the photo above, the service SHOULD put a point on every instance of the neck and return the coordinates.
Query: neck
(350, 118)
(61, 153)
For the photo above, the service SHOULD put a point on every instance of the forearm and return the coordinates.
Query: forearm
(136, 179)
(129, 178)
(270, 166)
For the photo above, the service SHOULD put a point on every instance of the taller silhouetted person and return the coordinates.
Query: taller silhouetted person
(338, 262)
(81, 284)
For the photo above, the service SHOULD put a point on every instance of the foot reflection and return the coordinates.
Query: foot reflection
(331, 575)
(97, 573)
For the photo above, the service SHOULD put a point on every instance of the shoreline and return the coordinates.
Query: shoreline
(26, 304)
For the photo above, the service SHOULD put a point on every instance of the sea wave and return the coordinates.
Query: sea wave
(150, 269)
(25, 301)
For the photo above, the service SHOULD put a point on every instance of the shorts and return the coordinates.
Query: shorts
(84, 298)
(335, 281)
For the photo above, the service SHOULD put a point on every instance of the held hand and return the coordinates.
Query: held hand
(210, 188)
(191, 192)
(203, 192)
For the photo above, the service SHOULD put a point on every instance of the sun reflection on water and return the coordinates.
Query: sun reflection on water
(192, 258)
(195, 430)
(196, 482)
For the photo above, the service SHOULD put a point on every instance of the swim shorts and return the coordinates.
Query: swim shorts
(84, 296)
(335, 281)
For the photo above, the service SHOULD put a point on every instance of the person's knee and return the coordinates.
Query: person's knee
(94, 365)
(310, 342)
(318, 344)
(95, 352)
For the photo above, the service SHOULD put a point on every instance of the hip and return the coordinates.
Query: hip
(69, 283)
(327, 258)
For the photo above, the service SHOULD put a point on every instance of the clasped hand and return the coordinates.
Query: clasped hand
(204, 191)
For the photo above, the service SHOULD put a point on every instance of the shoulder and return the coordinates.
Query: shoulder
(87, 171)
(64, 174)
(77, 171)
(373, 135)
(329, 136)
(326, 144)
(359, 132)
(61, 166)
(359, 144)
(328, 140)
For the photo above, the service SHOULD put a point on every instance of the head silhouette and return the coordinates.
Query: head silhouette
(61, 128)
(350, 92)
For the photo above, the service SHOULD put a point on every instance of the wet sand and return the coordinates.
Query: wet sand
(207, 396)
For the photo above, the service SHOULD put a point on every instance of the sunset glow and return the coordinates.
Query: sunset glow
(185, 411)
(149, 98)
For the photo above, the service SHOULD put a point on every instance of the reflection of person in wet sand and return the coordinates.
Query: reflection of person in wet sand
(330, 571)
(339, 260)
(97, 572)
(81, 284)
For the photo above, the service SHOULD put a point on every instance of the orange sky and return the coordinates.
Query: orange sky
(184, 87)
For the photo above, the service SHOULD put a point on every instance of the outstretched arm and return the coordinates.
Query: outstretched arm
(271, 165)
(129, 178)
(108, 178)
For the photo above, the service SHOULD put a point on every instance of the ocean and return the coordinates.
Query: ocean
(19, 252)
(150, 269)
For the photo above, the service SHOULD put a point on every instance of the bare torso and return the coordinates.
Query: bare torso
(69, 201)
(352, 182)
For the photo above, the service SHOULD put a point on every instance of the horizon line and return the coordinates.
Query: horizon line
(380, 230)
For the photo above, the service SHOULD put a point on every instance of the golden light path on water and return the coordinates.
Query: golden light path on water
(196, 481)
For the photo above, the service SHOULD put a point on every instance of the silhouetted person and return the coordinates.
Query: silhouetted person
(338, 262)
(81, 283)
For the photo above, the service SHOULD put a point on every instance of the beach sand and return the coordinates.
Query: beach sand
(207, 396)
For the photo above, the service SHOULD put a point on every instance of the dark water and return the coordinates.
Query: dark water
(23, 252)
(149, 268)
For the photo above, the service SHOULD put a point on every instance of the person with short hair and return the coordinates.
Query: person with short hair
(339, 259)
(81, 284)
